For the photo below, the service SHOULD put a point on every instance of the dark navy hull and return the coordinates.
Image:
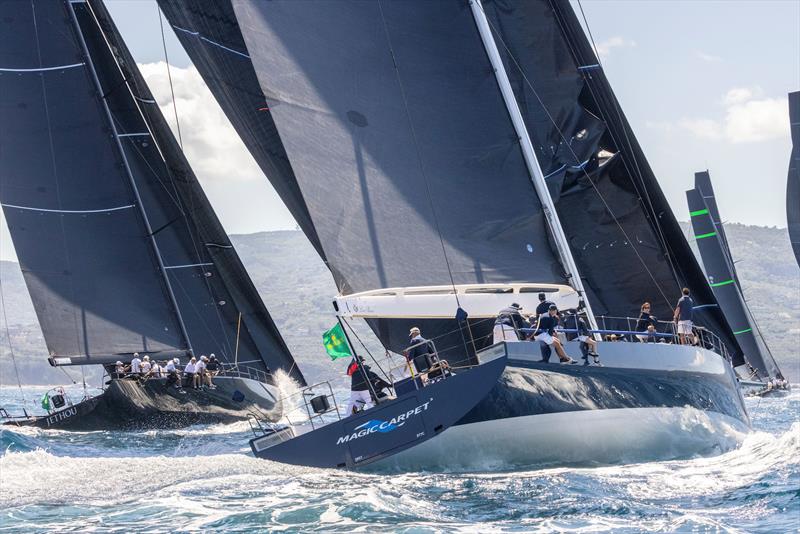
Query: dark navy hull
(530, 387)
(387, 429)
(647, 402)
(151, 404)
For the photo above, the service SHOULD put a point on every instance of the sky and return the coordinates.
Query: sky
(703, 84)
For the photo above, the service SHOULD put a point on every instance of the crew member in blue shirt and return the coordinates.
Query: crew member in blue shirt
(683, 317)
(546, 333)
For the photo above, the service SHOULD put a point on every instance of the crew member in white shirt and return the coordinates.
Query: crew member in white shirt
(200, 372)
(189, 372)
(146, 366)
(136, 365)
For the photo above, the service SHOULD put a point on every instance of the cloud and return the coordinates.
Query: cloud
(749, 117)
(708, 58)
(604, 48)
(209, 141)
(702, 128)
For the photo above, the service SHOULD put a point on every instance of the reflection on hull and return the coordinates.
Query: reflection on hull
(134, 405)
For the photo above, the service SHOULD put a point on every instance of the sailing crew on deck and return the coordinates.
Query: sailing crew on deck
(546, 333)
(212, 367)
(119, 370)
(188, 372)
(584, 337)
(508, 324)
(683, 317)
(136, 365)
(362, 384)
(146, 366)
(646, 324)
(544, 306)
(156, 371)
(172, 373)
(200, 372)
(419, 352)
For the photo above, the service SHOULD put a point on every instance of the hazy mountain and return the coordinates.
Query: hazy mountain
(298, 290)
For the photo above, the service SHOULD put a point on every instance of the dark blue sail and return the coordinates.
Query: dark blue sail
(722, 279)
(118, 243)
(793, 180)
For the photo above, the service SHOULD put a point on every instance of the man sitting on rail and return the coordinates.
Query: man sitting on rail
(546, 333)
(508, 324)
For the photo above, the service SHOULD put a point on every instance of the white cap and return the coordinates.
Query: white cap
(414, 330)
(176, 360)
(212, 355)
(135, 354)
(147, 358)
(119, 362)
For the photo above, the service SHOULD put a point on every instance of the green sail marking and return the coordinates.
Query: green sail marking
(743, 331)
(703, 236)
(725, 283)
(698, 212)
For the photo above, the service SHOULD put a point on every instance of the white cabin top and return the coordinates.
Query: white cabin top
(439, 302)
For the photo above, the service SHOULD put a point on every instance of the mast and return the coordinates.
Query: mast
(129, 173)
(537, 176)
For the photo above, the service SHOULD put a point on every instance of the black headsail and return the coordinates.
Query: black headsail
(120, 248)
(722, 279)
(793, 180)
(626, 241)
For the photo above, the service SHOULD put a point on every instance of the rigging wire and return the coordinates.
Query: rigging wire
(418, 151)
(569, 147)
(169, 75)
(8, 336)
(629, 145)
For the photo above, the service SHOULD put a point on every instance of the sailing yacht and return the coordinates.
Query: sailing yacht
(793, 179)
(120, 249)
(757, 367)
(447, 159)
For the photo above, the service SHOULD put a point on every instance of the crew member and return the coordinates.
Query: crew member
(584, 337)
(119, 370)
(146, 366)
(420, 352)
(200, 372)
(188, 372)
(172, 373)
(646, 324)
(544, 306)
(212, 370)
(546, 333)
(683, 317)
(136, 365)
(508, 324)
(362, 385)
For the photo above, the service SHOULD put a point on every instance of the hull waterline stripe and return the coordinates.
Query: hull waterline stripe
(703, 236)
(44, 69)
(187, 265)
(697, 213)
(743, 331)
(725, 283)
(79, 212)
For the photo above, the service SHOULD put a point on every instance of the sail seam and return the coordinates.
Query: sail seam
(79, 212)
(209, 41)
(43, 69)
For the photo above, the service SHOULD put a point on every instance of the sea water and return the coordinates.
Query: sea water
(205, 478)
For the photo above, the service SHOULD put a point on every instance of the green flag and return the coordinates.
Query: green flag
(46, 402)
(336, 343)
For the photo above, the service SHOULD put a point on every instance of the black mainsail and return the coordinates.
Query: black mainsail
(623, 234)
(702, 183)
(722, 279)
(793, 180)
(119, 246)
